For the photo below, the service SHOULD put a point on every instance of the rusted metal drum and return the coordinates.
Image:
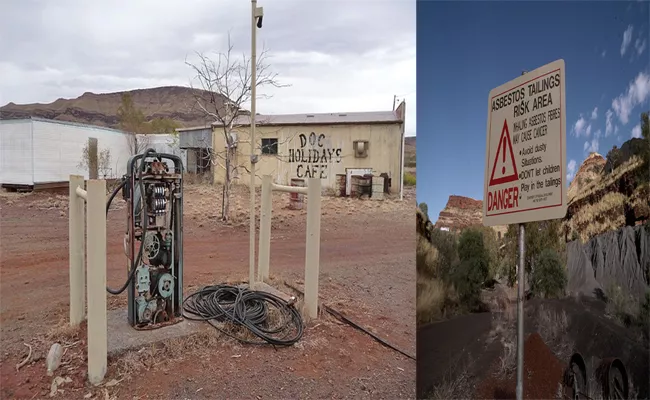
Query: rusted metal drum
(296, 200)
(340, 185)
(354, 186)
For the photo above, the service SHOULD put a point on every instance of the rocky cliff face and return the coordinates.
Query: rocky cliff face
(173, 102)
(616, 258)
(462, 212)
(590, 170)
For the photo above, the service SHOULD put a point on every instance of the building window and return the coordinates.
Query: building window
(361, 148)
(270, 146)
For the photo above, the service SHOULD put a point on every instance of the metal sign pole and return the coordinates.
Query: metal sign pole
(520, 313)
(521, 294)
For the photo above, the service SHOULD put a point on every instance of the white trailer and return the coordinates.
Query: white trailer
(39, 152)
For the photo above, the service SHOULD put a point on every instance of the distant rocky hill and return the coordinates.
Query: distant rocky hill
(462, 212)
(409, 151)
(589, 171)
(173, 102)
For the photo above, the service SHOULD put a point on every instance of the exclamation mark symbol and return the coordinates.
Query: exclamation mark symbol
(503, 152)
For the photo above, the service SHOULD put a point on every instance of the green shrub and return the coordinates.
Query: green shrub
(473, 270)
(548, 278)
(447, 247)
(409, 179)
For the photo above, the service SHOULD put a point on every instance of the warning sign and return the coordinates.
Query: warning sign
(526, 149)
(508, 164)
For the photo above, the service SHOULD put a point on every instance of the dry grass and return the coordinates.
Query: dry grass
(553, 327)
(504, 329)
(63, 332)
(621, 306)
(639, 199)
(605, 215)
(457, 383)
(630, 165)
(453, 387)
(431, 295)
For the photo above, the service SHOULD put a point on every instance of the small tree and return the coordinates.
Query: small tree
(540, 235)
(226, 84)
(425, 209)
(91, 157)
(473, 269)
(132, 121)
(548, 278)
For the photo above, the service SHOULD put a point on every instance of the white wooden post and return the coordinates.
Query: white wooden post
(312, 256)
(266, 211)
(76, 251)
(97, 325)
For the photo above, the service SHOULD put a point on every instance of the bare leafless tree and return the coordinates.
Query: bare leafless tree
(226, 83)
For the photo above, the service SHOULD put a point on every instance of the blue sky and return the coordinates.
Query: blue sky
(464, 49)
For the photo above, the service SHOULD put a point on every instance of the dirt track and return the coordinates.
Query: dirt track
(367, 272)
(450, 348)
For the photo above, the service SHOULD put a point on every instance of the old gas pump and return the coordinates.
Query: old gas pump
(153, 242)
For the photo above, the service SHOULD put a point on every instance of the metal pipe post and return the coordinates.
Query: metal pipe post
(251, 271)
(521, 294)
(264, 256)
(76, 252)
(520, 312)
(96, 285)
(312, 256)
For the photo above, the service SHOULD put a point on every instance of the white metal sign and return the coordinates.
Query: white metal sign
(526, 149)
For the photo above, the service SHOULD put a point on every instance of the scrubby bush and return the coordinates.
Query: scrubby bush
(548, 278)
(430, 302)
(540, 236)
(409, 179)
(473, 270)
(447, 246)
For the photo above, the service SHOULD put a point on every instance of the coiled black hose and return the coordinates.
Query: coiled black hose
(144, 219)
(267, 316)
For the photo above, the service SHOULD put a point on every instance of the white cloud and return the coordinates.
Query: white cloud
(598, 134)
(609, 129)
(588, 131)
(331, 66)
(639, 45)
(579, 126)
(616, 130)
(603, 54)
(571, 169)
(627, 39)
(636, 131)
(637, 93)
(591, 146)
(594, 114)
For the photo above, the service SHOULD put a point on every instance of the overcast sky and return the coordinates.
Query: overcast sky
(337, 55)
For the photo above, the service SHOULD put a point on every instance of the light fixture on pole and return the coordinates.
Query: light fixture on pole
(257, 13)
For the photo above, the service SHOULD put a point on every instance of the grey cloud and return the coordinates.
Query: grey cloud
(62, 48)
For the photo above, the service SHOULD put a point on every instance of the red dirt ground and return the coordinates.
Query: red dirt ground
(365, 273)
(542, 375)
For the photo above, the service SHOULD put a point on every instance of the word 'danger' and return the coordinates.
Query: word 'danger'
(314, 156)
(526, 148)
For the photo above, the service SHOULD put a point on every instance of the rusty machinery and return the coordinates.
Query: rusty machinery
(611, 379)
(153, 241)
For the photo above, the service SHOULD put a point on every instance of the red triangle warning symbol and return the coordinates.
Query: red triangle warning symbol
(507, 171)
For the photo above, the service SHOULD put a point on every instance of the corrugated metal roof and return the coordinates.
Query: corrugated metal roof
(54, 121)
(388, 117)
(368, 117)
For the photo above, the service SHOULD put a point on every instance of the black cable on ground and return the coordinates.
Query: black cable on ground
(355, 325)
(267, 316)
